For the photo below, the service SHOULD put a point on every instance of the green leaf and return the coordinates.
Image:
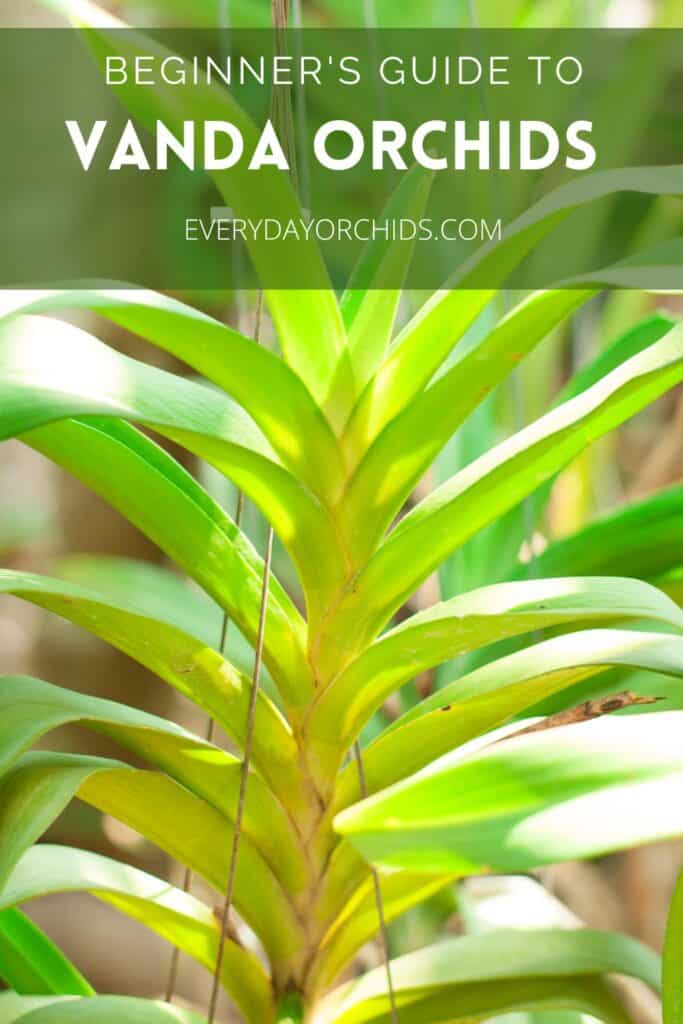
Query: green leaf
(673, 959)
(13, 1006)
(259, 381)
(425, 342)
(498, 259)
(498, 691)
(472, 621)
(138, 478)
(399, 462)
(290, 1009)
(31, 964)
(38, 385)
(480, 976)
(161, 594)
(39, 787)
(492, 484)
(358, 922)
(403, 450)
(174, 915)
(476, 563)
(629, 344)
(641, 539)
(36, 389)
(371, 300)
(30, 708)
(308, 321)
(105, 1010)
(487, 904)
(416, 354)
(562, 794)
(195, 670)
(653, 269)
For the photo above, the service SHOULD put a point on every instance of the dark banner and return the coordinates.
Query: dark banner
(198, 160)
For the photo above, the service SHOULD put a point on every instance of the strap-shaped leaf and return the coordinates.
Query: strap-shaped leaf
(640, 336)
(672, 1003)
(260, 382)
(38, 788)
(472, 621)
(416, 354)
(37, 389)
(654, 269)
(139, 478)
(31, 964)
(425, 342)
(627, 345)
(103, 1009)
(308, 321)
(489, 696)
(13, 1006)
(397, 460)
(491, 485)
(480, 976)
(174, 915)
(400, 463)
(493, 553)
(642, 539)
(561, 794)
(38, 385)
(195, 670)
(370, 303)
(160, 592)
(358, 921)
(488, 904)
(29, 708)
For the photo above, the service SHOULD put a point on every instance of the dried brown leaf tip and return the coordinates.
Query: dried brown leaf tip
(588, 710)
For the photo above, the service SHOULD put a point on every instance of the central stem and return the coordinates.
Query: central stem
(290, 1009)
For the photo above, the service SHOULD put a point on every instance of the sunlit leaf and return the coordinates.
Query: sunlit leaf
(31, 708)
(492, 484)
(195, 670)
(425, 342)
(477, 977)
(673, 960)
(39, 787)
(38, 385)
(137, 477)
(308, 321)
(174, 915)
(472, 621)
(502, 689)
(370, 311)
(253, 376)
(104, 1009)
(573, 792)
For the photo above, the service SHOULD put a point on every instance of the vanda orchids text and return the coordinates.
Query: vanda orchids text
(340, 145)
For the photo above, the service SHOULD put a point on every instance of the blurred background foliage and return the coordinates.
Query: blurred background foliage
(44, 515)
